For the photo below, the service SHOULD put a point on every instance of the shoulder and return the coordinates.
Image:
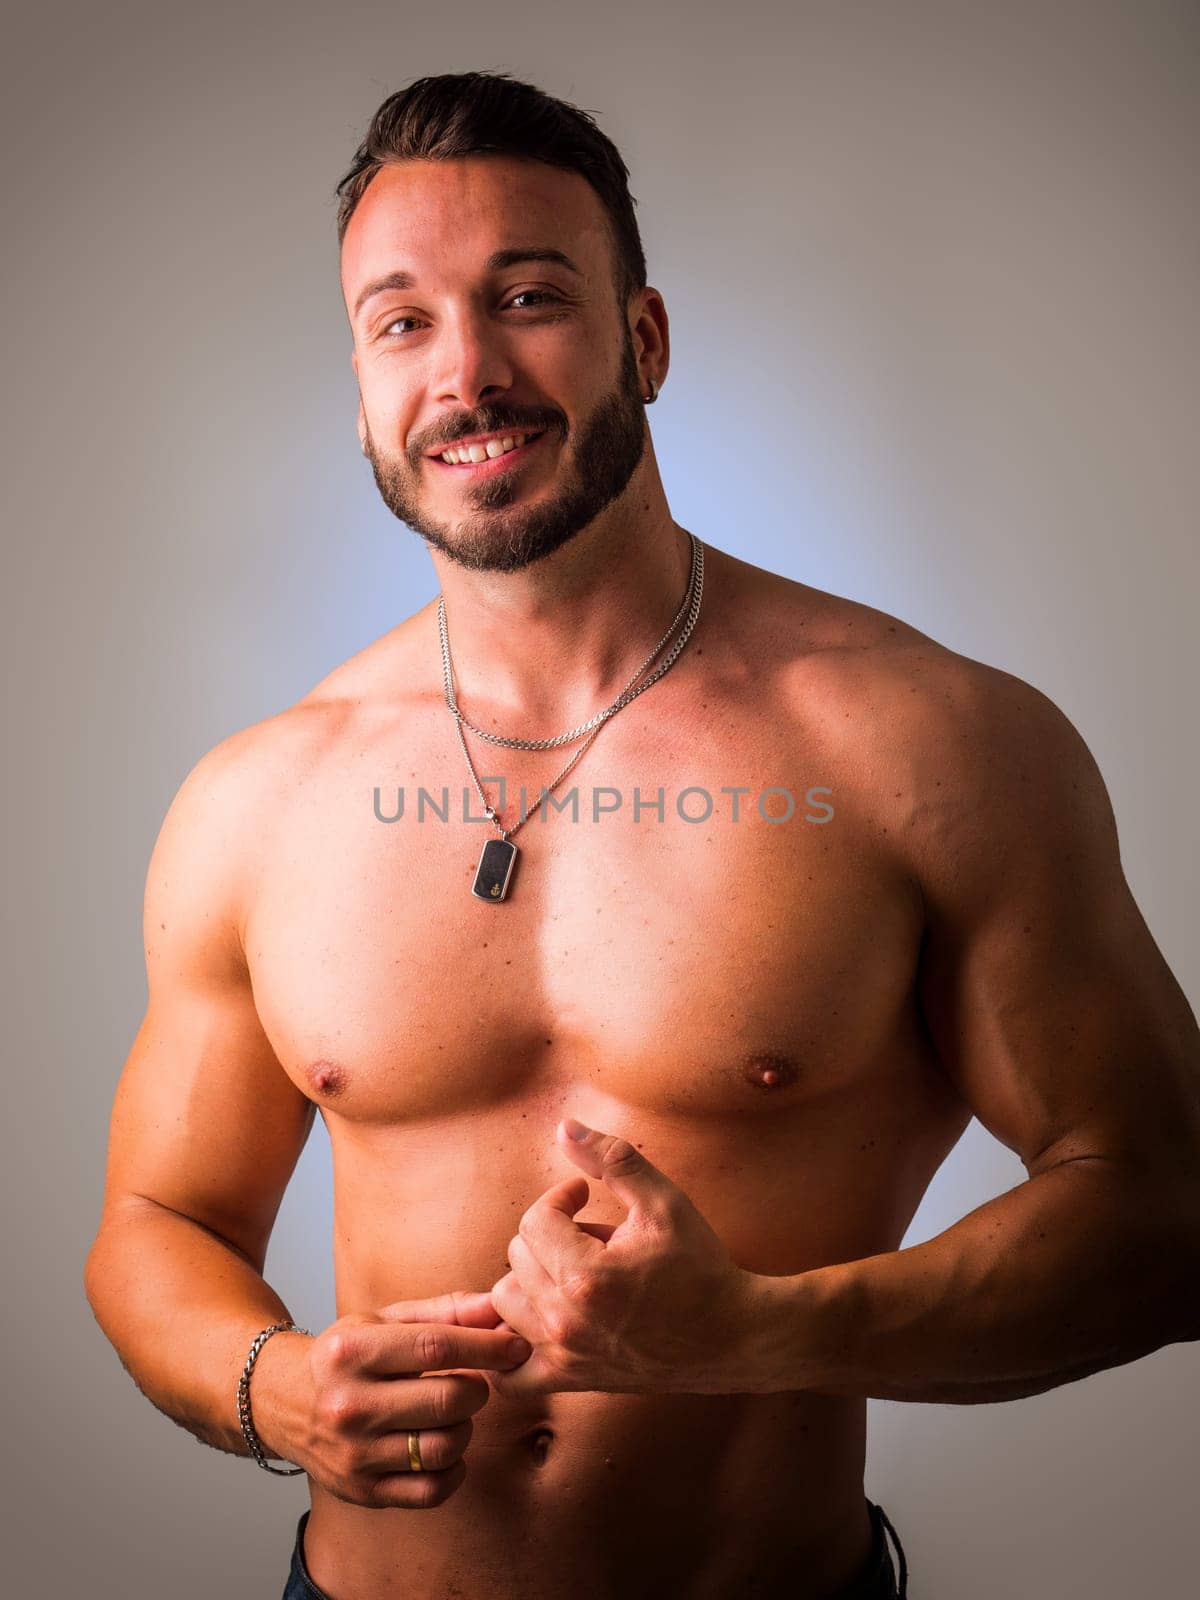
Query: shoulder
(884, 682)
(212, 836)
(954, 760)
(1004, 793)
(828, 643)
(251, 770)
(231, 803)
(981, 784)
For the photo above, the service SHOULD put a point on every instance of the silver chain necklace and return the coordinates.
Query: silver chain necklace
(692, 596)
(498, 856)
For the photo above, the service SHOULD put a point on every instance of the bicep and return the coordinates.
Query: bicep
(1049, 1004)
(205, 1121)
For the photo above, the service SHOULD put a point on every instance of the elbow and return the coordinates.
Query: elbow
(91, 1277)
(1157, 1223)
(97, 1273)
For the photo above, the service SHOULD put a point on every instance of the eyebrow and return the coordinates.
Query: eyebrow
(498, 261)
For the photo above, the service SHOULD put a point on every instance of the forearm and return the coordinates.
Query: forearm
(182, 1307)
(1074, 1271)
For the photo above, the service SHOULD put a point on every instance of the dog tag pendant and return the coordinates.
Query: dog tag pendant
(494, 869)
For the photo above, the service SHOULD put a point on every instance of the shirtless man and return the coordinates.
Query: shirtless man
(776, 1027)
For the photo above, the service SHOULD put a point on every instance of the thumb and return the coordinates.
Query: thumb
(620, 1165)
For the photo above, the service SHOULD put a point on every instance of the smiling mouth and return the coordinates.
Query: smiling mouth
(490, 464)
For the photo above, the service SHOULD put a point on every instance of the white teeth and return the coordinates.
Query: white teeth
(483, 452)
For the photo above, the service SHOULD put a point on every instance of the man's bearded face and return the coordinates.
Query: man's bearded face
(555, 487)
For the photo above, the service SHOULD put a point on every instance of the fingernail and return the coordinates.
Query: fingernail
(520, 1349)
(576, 1130)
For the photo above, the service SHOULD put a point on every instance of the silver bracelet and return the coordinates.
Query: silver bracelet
(243, 1398)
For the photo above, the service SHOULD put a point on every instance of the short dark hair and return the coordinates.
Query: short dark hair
(493, 113)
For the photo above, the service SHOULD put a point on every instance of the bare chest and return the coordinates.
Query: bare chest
(704, 925)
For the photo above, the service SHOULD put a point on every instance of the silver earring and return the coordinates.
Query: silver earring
(649, 399)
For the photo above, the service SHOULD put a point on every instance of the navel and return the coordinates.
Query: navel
(768, 1070)
(328, 1078)
(539, 1442)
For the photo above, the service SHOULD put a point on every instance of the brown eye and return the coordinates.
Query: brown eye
(395, 320)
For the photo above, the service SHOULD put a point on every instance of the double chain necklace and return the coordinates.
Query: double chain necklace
(498, 856)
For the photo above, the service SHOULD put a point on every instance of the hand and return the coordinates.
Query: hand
(652, 1305)
(359, 1416)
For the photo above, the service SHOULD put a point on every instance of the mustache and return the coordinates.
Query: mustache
(491, 422)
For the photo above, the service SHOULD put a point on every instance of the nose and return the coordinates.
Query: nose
(471, 361)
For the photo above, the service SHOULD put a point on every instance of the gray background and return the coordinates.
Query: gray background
(940, 259)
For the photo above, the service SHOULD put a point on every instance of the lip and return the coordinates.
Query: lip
(484, 469)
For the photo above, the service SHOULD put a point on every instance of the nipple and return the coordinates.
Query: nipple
(328, 1078)
(769, 1071)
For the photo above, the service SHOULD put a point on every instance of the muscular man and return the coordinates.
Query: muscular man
(825, 890)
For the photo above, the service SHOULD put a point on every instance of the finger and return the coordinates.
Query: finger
(461, 1307)
(438, 1448)
(397, 1349)
(441, 1402)
(556, 1241)
(530, 1381)
(415, 1491)
(621, 1166)
(519, 1310)
(530, 1274)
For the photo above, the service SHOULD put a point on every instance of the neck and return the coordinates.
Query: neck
(541, 650)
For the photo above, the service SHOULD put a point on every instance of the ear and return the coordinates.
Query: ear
(650, 334)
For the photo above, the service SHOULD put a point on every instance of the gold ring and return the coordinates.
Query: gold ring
(414, 1453)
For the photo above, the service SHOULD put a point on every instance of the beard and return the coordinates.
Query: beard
(496, 533)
